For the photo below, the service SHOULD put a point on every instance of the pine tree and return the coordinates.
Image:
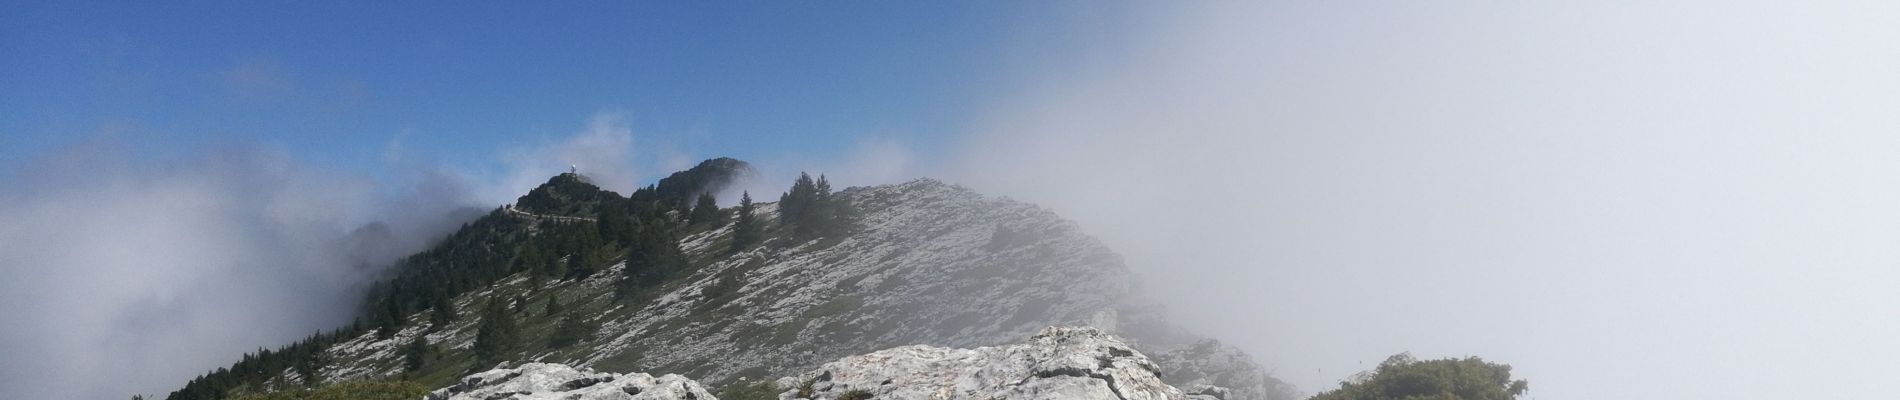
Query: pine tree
(614, 226)
(528, 259)
(745, 228)
(442, 311)
(554, 268)
(417, 353)
(794, 204)
(570, 331)
(707, 212)
(498, 337)
(653, 257)
(554, 305)
(830, 215)
(811, 210)
(388, 319)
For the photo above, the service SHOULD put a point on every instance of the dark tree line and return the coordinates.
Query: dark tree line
(811, 210)
(305, 357)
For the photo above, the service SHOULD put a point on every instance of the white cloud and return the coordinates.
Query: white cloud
(603, 151)
(871, 160)
(121, 275)
(1622, 200)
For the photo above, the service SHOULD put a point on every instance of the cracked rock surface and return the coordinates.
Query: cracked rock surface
(542, 381)
(1058, 363)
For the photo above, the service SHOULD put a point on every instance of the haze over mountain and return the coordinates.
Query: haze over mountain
(1621, 200)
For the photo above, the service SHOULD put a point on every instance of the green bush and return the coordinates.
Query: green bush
(1402, 377)
(855, 394)
(761, 390)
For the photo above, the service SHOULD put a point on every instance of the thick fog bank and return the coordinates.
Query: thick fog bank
(143, 273)
(1683, 200)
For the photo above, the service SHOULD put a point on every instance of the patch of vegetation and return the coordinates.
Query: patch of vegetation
(724, 288)
(628, 360)
(359, 390)
(855, 394)
(787, 334)
(499, 337)
(570, 331)
(418, 353)
(653, 257)
(761, 390)
(838, 305)
(813, 211)
(805, 388)
(746, 227)
(706, 212)
(1403, 377)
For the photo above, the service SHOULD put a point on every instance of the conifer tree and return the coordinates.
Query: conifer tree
(554, 268)
(554, 306)
(706, 211)
(498, 337)
(417, 353)
(614, 226)
(792, 205)
(811, 210)
(529, 258)
(389, 319)
(442, 311)
(653, 257)
(745, 227)
(570, 331)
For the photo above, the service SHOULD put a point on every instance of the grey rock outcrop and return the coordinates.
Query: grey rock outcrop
(542, 381)
(1058, 363)
(1220, 370)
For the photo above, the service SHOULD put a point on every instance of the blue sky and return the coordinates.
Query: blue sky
(335, 84)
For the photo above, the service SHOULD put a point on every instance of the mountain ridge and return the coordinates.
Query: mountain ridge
(928, 263)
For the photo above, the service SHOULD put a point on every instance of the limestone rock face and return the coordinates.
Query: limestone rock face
(1222, 371)
(542, 381)
(1058, 363)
